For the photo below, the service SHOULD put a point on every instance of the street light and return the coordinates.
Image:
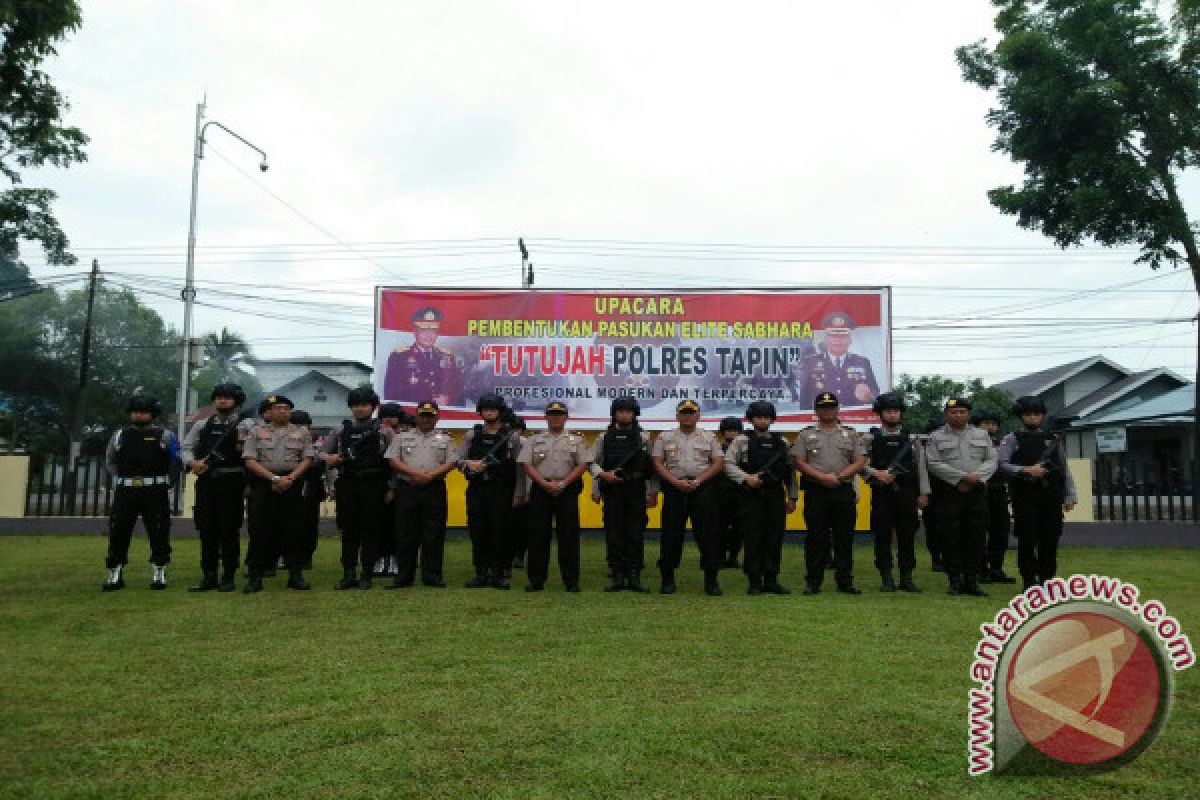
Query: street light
(189, 288)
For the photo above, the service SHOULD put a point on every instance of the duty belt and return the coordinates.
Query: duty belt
(222, 471)
(139, 482)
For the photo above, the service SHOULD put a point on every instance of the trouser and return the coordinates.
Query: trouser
(278, 527)
(489, 522)
(220, 507)
(360, 514)
(520, 528)
(549, 515)
(727, 514)
(385, 542)
(829, 516)
(762, 517)
(963, 519)
(934, 538)
(678, 508)
(420, 525)
(314, 495)
(999, 524)
(625, 523)
(1038, 523)
(894, 510)
(152, 504)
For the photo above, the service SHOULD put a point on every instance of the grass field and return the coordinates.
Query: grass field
(456, 693)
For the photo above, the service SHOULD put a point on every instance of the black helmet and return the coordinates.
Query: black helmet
(730, 424)
(493, 401)
(394, 410)
(1023, 405)
(984, 415)
(300, 417)
(760, 408)
(407, 419)
(888, 400)
(264, 406)
(362, 396)
(624, 403)
(228, 390)
(144, 402)
(515, 422)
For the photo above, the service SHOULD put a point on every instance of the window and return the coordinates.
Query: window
(320, 397)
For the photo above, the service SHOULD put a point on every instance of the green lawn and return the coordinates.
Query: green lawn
(456, 693)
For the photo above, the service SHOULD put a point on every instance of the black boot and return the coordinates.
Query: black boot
(349, 580)
(712, 586)
(771, 585)
(754, 584)
(906, 582)
(811, 588)
(365, 579)
(1000, 576)
(114, 581)
(668, 580)
(500, 579)
(635, 582)
(296, 579)
(848, 587)
(207, 583)
(617, 583)
(955, 581)
(889, 585)
(253, 582)
(971, 586)
(228, 580)
(481, 580)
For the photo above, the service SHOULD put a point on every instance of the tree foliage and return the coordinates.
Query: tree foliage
(926, 396)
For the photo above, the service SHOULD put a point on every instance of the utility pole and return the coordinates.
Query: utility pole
(84, 359)
(526, 266)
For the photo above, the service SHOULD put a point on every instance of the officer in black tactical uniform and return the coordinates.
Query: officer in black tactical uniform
(727, 493)
(935, 540)
(1042, 489)
(758, 462)
(212, 450)
(487, 457)
(621, 471)
(893, 473)
(139, 459)
(314, 492)
(356, 452)
(999, 519)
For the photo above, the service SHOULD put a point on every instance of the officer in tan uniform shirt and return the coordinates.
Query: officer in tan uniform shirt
(422, 457)
(554, 461)
(828, 456)
(687, 459)
(276, 455)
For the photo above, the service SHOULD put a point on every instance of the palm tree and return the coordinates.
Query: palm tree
(228, 353)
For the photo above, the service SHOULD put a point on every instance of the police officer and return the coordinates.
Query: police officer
(393, 417)
(276, 457)
(622, 480)
(1042, 489)
(555, 461)
(422, 457)
(759, 464)
(999, 520)
(356, 451)
(424, 370)
(960, 459)
(829, 455)
(487, 456)
(139, 458)
(686, 460)
(894, 474)
(727, 493)
(836, 370)
(255, 539)
(934, 538)
(520, 527)
(212, 450)
(314, 492)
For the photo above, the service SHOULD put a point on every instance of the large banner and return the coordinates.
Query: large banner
(723, 349)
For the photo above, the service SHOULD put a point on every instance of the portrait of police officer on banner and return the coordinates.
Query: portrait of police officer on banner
(834, 369)
(423, 371)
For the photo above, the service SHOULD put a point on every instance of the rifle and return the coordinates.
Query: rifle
(489, 459)
(619, 469)
(780, 453)
(896, 468)
(215, 457)
(348, 453)
(1048, 460)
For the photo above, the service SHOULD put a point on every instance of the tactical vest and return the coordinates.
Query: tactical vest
(763, 450)
(1031, 449)
(998, 483)
(140, 453)
(483, 443)
(884, 449)
(623, 447)
(212, 435)
(360, 448)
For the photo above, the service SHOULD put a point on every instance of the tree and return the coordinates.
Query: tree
(1099, 100)
(926, 396)
(227, 357)
(32, 129)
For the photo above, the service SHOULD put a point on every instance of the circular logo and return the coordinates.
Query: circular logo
(1085, 688)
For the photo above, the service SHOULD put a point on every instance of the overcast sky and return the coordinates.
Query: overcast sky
(841, 131)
